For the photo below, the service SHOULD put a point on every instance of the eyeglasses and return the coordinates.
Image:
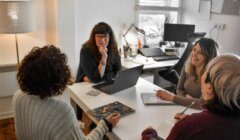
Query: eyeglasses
(102, 36)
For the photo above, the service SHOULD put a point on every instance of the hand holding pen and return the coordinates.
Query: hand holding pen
(181, 115)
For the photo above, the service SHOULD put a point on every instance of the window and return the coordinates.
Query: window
(152, 14)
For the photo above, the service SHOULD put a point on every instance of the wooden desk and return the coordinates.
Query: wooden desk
(129, 127)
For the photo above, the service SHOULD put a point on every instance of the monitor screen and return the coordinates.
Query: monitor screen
(178, 32)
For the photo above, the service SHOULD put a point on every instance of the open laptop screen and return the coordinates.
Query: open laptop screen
(124, 79)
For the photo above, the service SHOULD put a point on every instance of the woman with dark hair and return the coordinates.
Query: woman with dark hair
(189, 87)
(220, 119)
(39, 111)
(99, 57)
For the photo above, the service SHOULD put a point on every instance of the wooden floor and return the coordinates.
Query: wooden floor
(7, 131)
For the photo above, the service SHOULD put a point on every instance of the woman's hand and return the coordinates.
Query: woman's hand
(179, 116)
(86, 79)
(113, 118)
(165, 95)
(149, 134)
(103, 50)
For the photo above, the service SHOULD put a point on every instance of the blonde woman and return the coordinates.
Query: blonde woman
(220, 119)
(189, 87)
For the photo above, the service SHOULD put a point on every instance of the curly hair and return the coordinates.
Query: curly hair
(44, 72)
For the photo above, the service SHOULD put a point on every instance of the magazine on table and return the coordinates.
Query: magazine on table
(115, 107)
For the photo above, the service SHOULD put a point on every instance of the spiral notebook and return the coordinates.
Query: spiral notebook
(152, 99)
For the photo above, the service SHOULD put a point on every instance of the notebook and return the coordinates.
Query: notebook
(103, 111)
(152, 99)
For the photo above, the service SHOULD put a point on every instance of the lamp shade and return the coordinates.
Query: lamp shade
(16, 17)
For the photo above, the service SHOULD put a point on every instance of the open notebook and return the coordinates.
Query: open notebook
(152, 99)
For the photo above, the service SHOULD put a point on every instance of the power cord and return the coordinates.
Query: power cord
(212, 30)
(214, 27)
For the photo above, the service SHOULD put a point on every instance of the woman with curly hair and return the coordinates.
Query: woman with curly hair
(39, 111)
(99, 57)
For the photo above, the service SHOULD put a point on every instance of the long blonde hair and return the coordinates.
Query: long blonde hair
(209, 49)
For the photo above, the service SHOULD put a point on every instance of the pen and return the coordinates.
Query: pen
(188, 107)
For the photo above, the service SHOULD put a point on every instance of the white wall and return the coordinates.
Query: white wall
(66, 23)
(228, 38)
(45, 33)
(66, 26)
(119, 14)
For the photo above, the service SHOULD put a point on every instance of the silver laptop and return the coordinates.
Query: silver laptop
(124, 79)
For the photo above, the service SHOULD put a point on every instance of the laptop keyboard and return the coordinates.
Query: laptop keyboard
(165, 58)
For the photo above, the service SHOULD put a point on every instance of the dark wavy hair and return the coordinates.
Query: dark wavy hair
(103, 28)
(44, 72)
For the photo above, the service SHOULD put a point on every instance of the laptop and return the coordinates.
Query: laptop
(151, 52)
(157, 54)
(166, 58)
(124, 79)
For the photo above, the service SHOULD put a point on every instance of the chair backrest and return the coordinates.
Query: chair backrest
(191, 41)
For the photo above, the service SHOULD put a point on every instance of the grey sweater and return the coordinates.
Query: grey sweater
(49, 119)
(187, 85)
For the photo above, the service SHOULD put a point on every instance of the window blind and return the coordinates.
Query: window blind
(159, 3)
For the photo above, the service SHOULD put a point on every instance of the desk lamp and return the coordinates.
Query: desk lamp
(16, 17)
(138, 30)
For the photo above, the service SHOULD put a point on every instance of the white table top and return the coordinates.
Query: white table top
(131, 126)
(148, 62)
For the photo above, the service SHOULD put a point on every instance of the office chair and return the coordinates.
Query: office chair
(168, 79)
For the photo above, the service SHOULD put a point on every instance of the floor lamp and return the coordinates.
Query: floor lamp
(17, 17)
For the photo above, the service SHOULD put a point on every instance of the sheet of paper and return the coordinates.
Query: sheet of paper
(93, 93)
(143, 60)
(196, 5)
(152, 99)
(205, 8)
(217, 6)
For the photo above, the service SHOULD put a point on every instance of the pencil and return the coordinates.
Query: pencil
(188, 107)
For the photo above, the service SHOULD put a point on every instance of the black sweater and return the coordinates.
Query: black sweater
(88, 66)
